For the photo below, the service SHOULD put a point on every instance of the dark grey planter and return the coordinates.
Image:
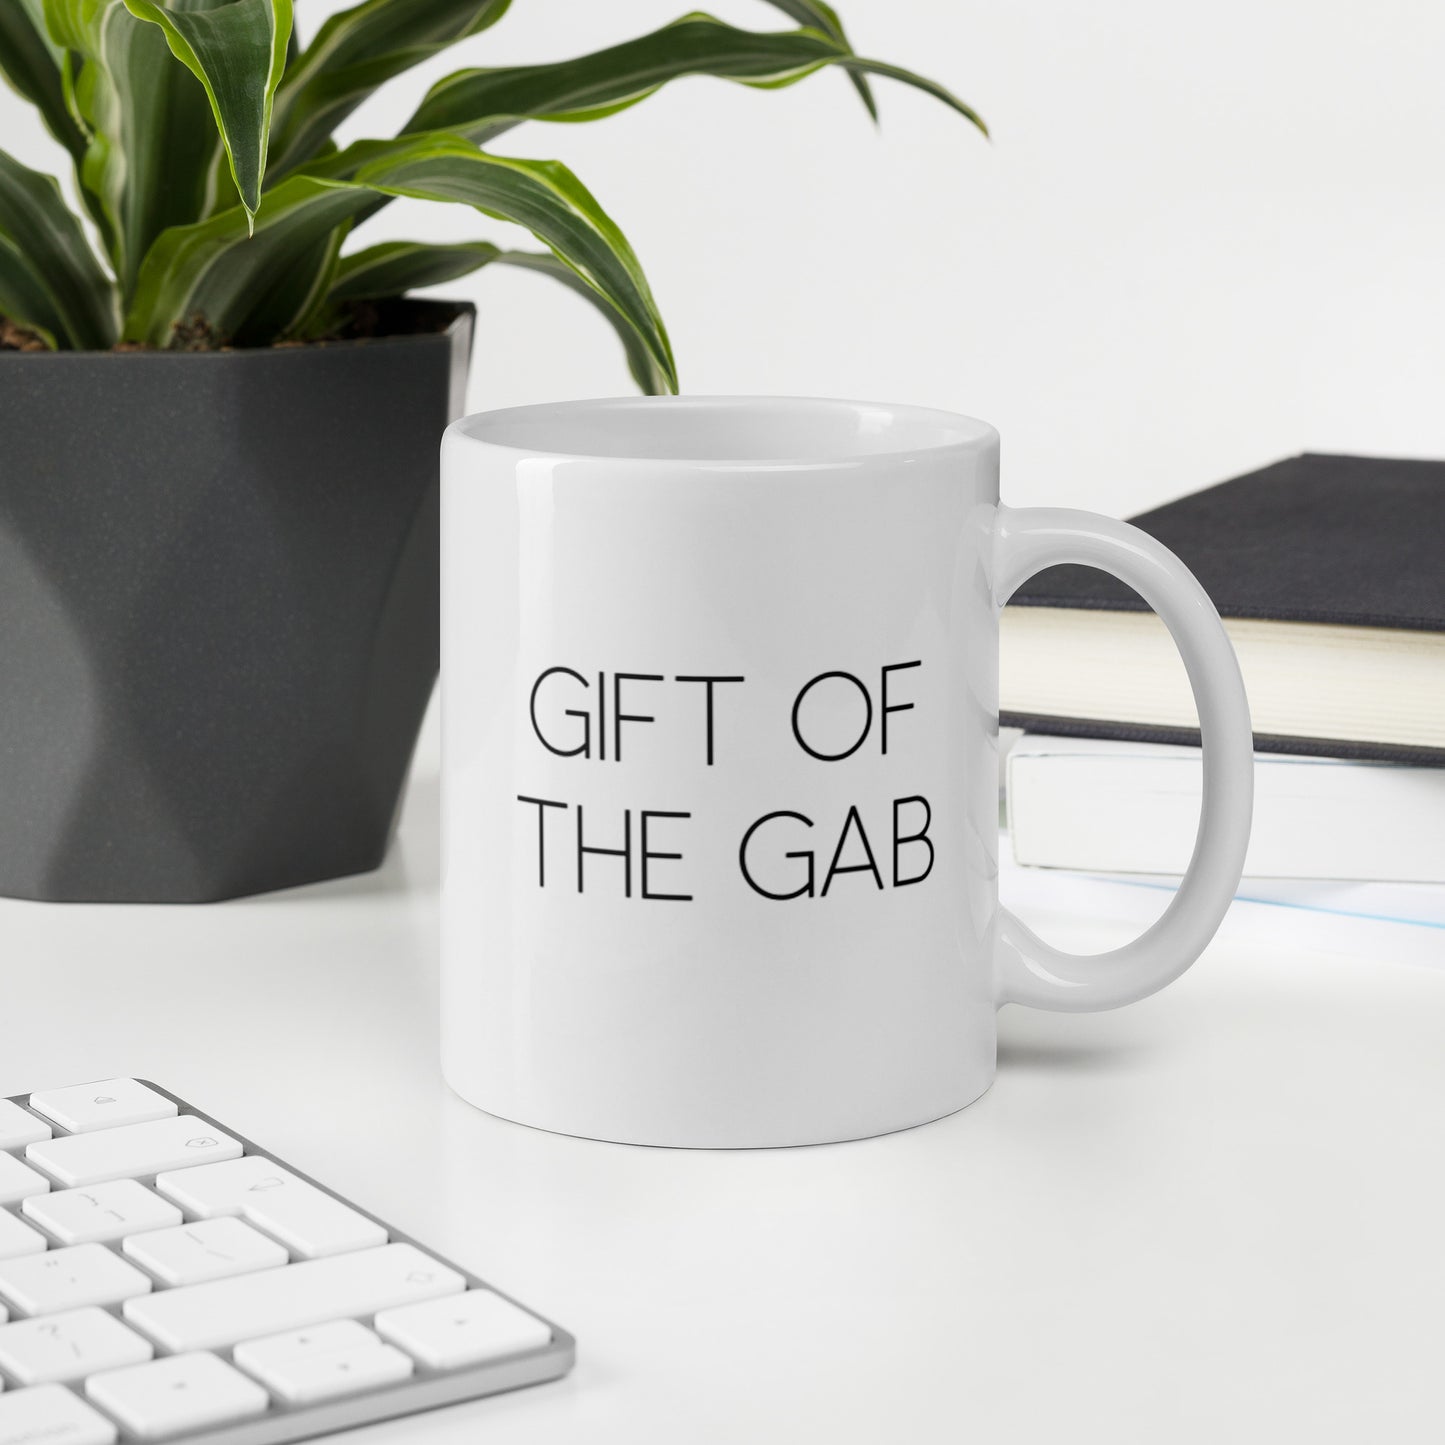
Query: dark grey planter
(218, 609)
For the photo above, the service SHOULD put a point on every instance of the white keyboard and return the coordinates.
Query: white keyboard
(163, 1279)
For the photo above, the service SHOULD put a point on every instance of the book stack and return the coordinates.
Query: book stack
(1329, 572)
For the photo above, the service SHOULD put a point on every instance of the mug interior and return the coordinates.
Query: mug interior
(782, 431)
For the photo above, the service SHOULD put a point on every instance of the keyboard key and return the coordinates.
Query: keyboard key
(18, 1181)
(303, 1367)
(307, 1220)
(101, 1213)
(227, 1311)
(83, 1108)
(273, 1351)
(132, 1150)
(18, 1238)
(18, 1128)
(66, 1347)
(160, 1282)
(67, 1279)
(469, 1329)
(51, 1415)
(210, 1249)
(175, 1395)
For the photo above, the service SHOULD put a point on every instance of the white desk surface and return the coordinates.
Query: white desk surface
(1216, 1215)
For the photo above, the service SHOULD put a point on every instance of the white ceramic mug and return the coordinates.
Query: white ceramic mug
(720, 692)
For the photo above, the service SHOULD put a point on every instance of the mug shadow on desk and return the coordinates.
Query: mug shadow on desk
(1023, 1048)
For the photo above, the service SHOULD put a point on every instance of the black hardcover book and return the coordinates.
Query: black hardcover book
(1330, 574)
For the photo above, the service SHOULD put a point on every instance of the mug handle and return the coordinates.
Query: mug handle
(1030, 971)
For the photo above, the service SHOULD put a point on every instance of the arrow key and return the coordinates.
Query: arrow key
(323, 1363)
(464, 1329)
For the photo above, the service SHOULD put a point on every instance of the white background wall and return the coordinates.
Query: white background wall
(1202, 237)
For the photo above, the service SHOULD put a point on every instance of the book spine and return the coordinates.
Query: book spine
(1077, 727)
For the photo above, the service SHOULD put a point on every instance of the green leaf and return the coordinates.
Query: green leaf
(817, 16)
(395, 267)
(220, 274)
(24, 298)
(31, 65)
(859, 65)
(297, 301)
(149, 163)
(210, 270)
(543, 196)
(48, 264)
(481, 104)
(237, 50)
(356, 51)
(642, 364)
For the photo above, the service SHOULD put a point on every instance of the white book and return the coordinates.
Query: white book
(1379, 686)
(1105, 806)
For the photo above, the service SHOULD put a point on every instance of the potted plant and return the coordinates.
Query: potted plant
(218, 432)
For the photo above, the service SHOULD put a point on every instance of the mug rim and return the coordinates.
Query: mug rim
(892, 433)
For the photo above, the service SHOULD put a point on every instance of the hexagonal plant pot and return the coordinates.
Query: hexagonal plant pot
(218, 609)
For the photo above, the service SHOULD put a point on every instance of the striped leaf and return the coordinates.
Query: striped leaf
(294, 302)
(815, 15)
(150, 160)
(543, 196)
(49, 277)
(357, 50)
(641, 362)
(395, 267)
(235, 281)
(481, 104)
(31, 64)
(211, 271)
(25, 299)
(237, 50)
